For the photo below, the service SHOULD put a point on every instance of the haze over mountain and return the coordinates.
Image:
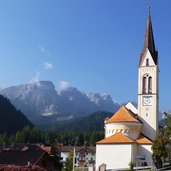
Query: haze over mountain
(42, 103)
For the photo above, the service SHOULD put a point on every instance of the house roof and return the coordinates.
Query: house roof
(21, 158)
(123, 115)
(48, 149)
(120, 138)
(22, 147)
(78, 148)
(117, 138)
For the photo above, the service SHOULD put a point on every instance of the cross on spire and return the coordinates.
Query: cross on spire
(149, 7)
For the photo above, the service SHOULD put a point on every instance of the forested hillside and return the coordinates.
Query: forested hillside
(36, 135)
(93, 122)
(11, 119)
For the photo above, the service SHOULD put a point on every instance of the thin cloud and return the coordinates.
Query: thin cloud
(42, 49)
(63, 85)
(36, 79)
(48, 65)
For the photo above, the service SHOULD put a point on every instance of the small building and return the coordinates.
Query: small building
(85, 155)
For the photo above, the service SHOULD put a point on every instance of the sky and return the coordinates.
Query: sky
(93, 45)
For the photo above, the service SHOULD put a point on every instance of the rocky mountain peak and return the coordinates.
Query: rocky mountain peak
(41, 102)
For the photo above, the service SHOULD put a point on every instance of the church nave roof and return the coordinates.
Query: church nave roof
(123, 115)
(120, 138)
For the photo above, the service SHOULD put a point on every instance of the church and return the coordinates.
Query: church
(130, 132)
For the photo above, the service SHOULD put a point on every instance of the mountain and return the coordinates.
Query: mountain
(11, 120)
(42, 103)
(92, 122)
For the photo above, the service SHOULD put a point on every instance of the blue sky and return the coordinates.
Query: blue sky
(93, 45)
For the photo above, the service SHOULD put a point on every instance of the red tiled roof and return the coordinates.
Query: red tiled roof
(123, 115)
(25, 148)
(46, 148)
(120, 138)
(143, 140)
(117, 138)
(78, 148)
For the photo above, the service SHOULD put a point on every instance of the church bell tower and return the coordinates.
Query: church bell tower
(148, 84)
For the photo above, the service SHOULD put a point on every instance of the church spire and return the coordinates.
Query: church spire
(149, 39)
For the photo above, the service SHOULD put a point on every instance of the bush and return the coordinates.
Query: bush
(131, 166)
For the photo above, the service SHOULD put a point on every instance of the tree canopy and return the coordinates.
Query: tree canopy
(162, 144)
(36, 135)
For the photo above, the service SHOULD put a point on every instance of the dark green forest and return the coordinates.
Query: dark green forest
(93, 122)
(11, 119)
(36, 135)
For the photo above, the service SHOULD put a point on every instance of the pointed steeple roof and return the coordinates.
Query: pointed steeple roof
(149, 41)
(149, 38)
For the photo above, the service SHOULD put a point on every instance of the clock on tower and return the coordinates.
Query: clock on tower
(147, 100)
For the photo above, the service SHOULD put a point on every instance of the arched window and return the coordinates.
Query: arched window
(147, 62)
(144, 85)
(150, 84)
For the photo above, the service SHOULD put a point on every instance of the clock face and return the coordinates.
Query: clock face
(147, 100)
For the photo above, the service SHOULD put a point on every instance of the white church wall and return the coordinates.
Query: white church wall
(132, 130)
(144, 150)
(115, 156)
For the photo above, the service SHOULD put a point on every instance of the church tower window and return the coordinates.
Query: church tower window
(147, 62)
(150, 85)
(144, 84)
